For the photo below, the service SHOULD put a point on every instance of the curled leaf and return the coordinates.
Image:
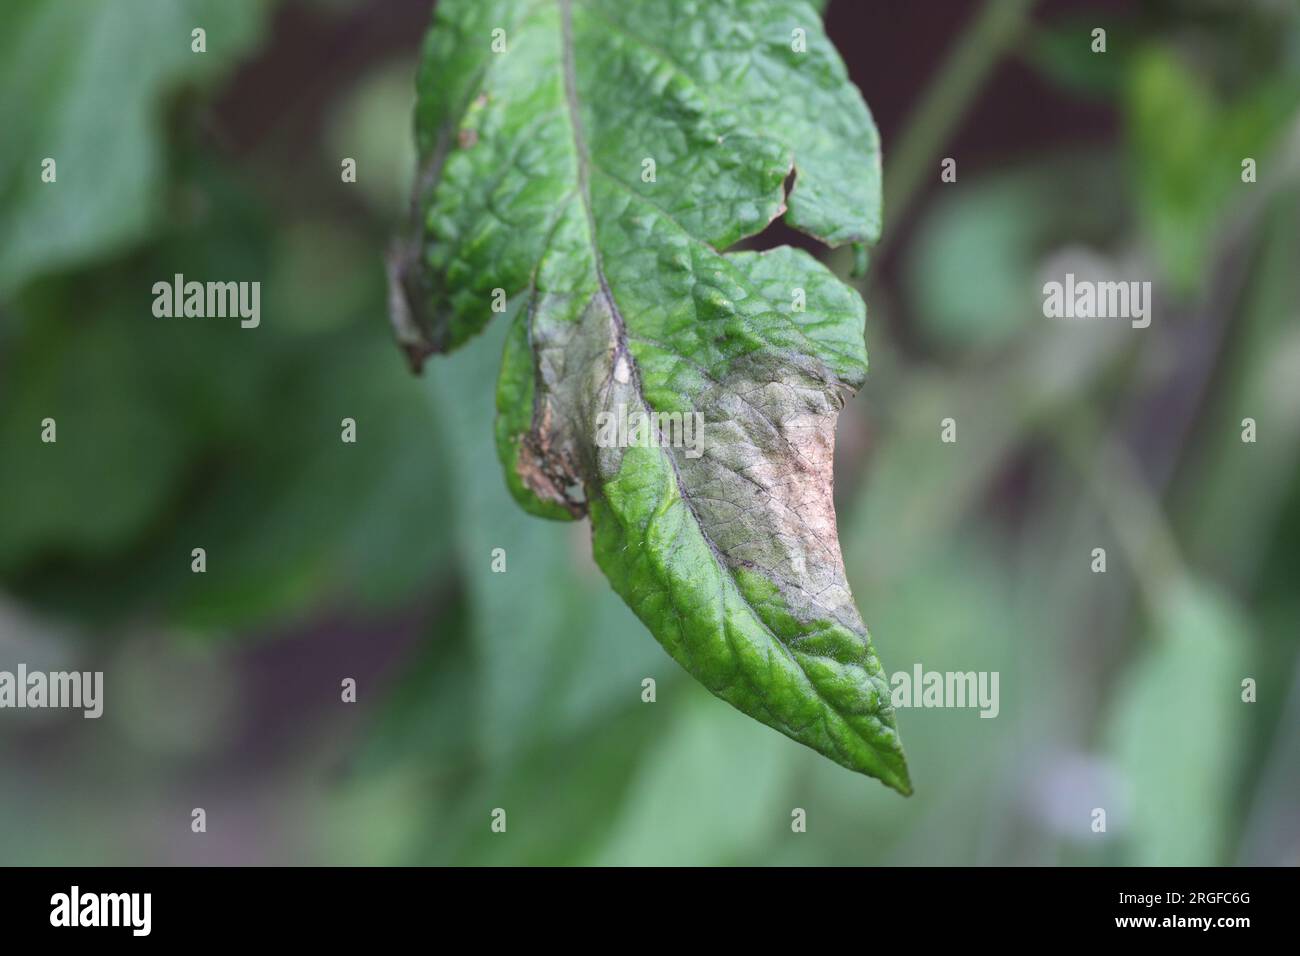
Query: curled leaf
(586, 166)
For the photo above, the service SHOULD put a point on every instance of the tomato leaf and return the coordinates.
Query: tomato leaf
(585, 167)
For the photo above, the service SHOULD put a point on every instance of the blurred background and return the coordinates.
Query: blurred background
(1119, 690)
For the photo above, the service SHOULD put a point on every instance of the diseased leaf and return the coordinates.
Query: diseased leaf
(592, 160)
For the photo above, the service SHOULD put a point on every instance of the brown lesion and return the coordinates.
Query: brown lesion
(548, 468)
(408, 293)
(767, 474)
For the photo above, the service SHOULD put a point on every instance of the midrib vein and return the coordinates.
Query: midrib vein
(620, 329)
(584, 164)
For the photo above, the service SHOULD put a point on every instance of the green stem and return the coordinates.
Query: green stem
(1135, 515)
(998, 25)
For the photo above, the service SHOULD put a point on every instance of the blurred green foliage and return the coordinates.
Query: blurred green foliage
(83, 83)
(523, 690)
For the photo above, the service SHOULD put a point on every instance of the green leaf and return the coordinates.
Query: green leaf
(97, 386)
(175, 434)
(83, 84)
(594, 169)
(1188, 145)
(1176, 728)
(1062, 51)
